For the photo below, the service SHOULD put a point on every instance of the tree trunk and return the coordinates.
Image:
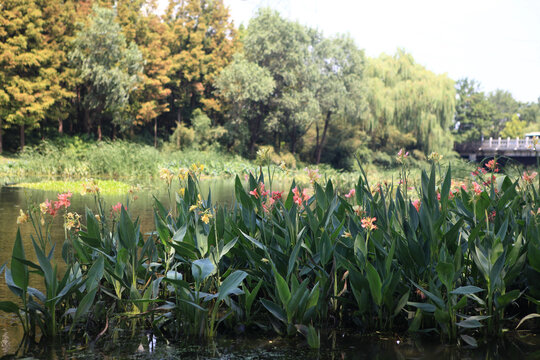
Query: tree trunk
(99, 130)
(1, 146)
(113, 132)
(87, 121)
(320, 145)
(178, 122)
(316, 141)
(155, 132)
(22, 137)
(293, 140)
(60, 126)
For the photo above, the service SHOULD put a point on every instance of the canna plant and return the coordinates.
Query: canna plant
(38, 309)
(446, 257)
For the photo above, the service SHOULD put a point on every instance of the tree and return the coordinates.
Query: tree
(246, 86)
(284, 48)
(59, 29)
(413, 99)
(202, 39)
(25, 66)
(340, 89)
(108, 67)
(514, 128)
(474, 112)
(505, 107)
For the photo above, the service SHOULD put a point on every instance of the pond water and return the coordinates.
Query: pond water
(13, 199)
(255, 346)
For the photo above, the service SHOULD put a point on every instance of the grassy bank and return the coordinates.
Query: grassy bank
(107, 187)
(132, 163)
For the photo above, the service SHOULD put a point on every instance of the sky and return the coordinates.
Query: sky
(495, 42)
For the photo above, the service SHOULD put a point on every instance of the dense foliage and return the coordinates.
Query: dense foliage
(189, 77)
(457, 259)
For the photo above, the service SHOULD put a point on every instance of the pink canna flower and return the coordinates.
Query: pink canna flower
(305, 195)
(63, 200)
(254, 193)
(529, 177)
(351, 193)
(116, 208)
(416, 203)
(263, 192)
(477, 188)
(297, 198)
(276, 195)
(368, 223)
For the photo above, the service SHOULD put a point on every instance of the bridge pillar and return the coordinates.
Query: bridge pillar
(472, 157)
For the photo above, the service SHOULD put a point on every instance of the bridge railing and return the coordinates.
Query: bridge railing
(508, 143)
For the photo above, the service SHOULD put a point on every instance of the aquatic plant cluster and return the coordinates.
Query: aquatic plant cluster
(454, 259)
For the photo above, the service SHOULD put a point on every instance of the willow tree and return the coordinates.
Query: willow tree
(108, 67)
(25, 66)
(415, 100)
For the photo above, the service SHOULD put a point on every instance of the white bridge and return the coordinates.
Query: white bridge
(525, 148)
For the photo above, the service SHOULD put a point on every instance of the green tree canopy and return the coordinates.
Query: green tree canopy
(474, 112)
(246, 86)
(339, 86)
(108, 67)
(514, 128)
(284, 48)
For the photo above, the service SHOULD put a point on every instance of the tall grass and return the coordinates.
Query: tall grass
(75, 159)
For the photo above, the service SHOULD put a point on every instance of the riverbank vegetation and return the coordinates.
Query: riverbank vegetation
(453, 260)
(62, 164)
(188, 79)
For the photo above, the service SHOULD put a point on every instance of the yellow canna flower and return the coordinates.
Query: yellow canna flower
(181, 191)
(206, 218)
(435, 157)
(193, 207)
(22, 218)
(90, 188)
(72, 220)
(43, 207)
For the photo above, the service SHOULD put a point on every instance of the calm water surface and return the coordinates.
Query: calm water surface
(262, 346)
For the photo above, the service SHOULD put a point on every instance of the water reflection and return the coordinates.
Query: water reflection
(266, 346)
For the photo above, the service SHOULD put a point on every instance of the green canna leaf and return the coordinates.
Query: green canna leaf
(231, 283)
(446, 273)
(375, 284)
(19, 270)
